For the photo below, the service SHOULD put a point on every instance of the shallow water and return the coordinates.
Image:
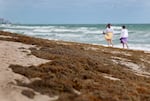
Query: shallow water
(139, 34)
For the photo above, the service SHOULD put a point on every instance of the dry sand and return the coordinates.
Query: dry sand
(16, 53)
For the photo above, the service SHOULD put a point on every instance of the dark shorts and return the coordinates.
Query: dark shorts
(123, 40)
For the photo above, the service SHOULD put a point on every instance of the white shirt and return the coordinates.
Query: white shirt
(109, 30)
(124, 33)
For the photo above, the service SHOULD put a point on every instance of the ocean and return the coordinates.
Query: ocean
(139, 34)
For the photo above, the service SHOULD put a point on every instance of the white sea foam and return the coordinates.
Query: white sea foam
(68, 35)
(25, 27)
(116, 27)
(140, 46)
(42, 30)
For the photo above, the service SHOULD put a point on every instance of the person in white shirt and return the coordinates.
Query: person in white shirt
(108, 32)
(124, 37)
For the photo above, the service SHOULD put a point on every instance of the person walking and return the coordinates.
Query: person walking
(124, 37)
(108, 33)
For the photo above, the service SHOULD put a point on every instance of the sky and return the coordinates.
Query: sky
(75, 11)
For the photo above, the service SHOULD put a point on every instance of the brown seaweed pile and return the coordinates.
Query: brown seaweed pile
(83, 72)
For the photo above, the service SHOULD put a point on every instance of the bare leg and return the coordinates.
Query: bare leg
(108, 42)
(127, 45)
(123, 45)
(111, 43)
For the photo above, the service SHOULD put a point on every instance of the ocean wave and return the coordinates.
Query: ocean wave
(140, 46)
(11, 26)
(116, 27)
(65, 30)
(42, 30)
(138, 39)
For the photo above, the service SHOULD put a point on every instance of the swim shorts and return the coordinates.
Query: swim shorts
(123, 40)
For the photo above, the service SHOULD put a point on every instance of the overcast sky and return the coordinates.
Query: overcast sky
(75, 11)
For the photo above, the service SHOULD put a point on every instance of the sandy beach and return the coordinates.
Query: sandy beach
(19, 54)
(34, 69)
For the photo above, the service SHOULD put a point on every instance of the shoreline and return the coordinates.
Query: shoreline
(115, 46)
(84, 34)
